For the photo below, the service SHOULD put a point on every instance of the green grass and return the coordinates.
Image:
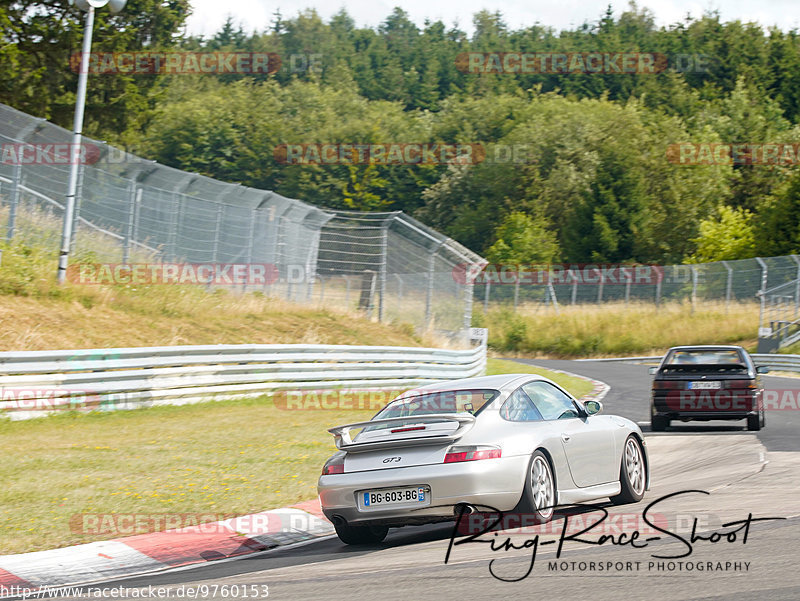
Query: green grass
(576, 386)
(616, 329)
(793, 349)
(227, 457)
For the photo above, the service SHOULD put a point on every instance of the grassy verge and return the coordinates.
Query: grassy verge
(616, 329)
(226, 457)
(576, 386)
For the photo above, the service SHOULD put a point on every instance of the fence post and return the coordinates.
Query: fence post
(553, 297)
(133, 194)
(627, 290)
(217, 226)
(600, 288)
(693, 299)
(797, 287)
(429, 291)
(574, 286)
(251, 241)
(174, 224)
(16, 192)
(399, 279)
(516, 290)
(764, 274)
(469, 290)
(486, 292)
(728, 286)
(383, 266)
(18, 183)
(78, 202)
(659, 279)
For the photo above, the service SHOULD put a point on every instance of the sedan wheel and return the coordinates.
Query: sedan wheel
(633, 473)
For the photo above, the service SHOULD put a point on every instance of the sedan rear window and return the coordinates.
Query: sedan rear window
(704, 357)
(446, 401)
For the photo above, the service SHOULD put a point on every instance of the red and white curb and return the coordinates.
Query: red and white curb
(157, 551)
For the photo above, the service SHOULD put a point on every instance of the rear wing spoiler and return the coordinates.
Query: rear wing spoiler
(709, 368)
(345, 442)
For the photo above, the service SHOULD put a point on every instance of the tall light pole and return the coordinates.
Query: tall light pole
(69, 208)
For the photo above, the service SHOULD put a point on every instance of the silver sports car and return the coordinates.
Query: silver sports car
(515, 442)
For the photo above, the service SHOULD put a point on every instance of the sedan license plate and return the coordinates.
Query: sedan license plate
(415, 496)
(704, 385)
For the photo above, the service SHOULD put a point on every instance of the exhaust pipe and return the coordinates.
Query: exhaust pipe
(338, 520)
(465, 507)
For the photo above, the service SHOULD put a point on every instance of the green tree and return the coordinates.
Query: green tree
(727, 237)
(778, 223)
(40, 40)
(523, 239)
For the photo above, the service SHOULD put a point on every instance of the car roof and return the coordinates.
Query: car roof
(707, 347)
(495, 382)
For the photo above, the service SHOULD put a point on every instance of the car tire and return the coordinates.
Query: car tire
(539, 495)
(659, 423)
(632, 473)
(360, 535)
(754, 422)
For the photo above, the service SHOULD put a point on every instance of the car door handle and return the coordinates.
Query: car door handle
(565, 437)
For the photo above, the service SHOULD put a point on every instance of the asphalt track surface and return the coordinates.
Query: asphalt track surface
(722, 458)
(630, 397)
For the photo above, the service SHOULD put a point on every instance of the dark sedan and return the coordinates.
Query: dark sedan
(706, 383)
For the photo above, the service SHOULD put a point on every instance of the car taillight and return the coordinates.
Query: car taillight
(667, 385)
(334, 465)
(740, 384)
(474, 453)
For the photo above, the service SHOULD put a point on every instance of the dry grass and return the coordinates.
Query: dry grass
(38, 314)
(617, 329)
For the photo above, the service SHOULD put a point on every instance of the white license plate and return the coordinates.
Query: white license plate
(414, 496)
(704, 385)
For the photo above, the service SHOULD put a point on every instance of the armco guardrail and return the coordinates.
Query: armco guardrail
(773, 361)
(32, 383)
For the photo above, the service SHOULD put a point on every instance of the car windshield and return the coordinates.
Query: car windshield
(704, 357)
(445, 401)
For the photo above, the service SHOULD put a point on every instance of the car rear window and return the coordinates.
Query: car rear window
(704, 357)
(447, 401)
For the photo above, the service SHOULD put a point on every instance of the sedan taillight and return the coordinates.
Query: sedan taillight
(473, 453)
(740, 384)
(667, 384)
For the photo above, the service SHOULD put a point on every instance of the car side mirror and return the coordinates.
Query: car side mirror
(762, 369)
(653, 371)
(592, 407)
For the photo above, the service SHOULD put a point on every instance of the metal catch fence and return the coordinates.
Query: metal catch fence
(132, 210)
